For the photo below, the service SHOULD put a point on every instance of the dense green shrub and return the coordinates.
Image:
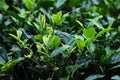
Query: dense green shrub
(59, 39)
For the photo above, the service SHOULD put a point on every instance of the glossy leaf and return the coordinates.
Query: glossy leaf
(60, 3)
(96, 22)
(116, 77)
(59, 50)
(94, 77)
(115, 59)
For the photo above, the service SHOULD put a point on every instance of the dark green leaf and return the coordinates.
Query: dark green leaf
(59, 50)
(115, 59)
(15, 15)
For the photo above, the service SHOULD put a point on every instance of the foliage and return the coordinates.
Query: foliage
(59, 39)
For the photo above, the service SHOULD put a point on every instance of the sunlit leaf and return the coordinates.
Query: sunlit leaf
(80, 23)
(89, 32)
(38, 37)
(43, 21)
(80, 44)
(29, 4)
(57, 18)
(19, 33)
(56, 42)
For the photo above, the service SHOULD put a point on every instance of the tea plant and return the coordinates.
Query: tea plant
(59, 40)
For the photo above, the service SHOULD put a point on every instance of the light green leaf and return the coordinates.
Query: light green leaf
(56, 68)
(43, 21)
(38, 37)
(19, 33)
(119, 28)
(89, 32)
(10, 64)
(45, 40)
(3, 5)
(80, 44)
(17, 38)
(80, 23)
(29, 55)
(103, 31)
(29, 4)
(56, 42)
(57, 18)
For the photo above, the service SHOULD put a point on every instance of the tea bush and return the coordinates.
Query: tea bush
(59, 39)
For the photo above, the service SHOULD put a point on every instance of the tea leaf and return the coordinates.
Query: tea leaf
(80, 44)
(94, 77)
(60, 3)
(103, 31)
(29, 4)
(96, 22)
(19, 33)
(89, 32)
(59, 50)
